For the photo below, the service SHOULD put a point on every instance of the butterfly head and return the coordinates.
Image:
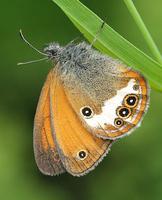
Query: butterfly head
(53, 51)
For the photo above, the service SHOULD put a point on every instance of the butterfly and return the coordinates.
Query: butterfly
(88, 101)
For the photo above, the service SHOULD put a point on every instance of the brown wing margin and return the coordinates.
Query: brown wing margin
(46, 155)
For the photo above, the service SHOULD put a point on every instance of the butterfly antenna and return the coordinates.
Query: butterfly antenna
(32, 61)
(29, 44)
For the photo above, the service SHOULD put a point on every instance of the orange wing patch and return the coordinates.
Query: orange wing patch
(46, 155)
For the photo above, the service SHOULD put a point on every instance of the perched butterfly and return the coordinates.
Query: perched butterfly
(88, 101)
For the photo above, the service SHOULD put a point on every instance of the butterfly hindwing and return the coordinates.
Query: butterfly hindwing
(123, 113)
(109, 98)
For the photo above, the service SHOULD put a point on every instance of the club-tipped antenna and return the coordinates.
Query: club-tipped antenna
(32, 61)
(30, 45)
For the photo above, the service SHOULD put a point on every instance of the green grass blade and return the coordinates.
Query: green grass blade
(110, 41)
(147, 36)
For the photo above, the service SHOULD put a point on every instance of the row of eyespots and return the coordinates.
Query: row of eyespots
(130, 101)
(123, 112)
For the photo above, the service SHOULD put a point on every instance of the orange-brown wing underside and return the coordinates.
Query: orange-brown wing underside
(102, 124)
(72, 137)
(46, 155)
(144, 99)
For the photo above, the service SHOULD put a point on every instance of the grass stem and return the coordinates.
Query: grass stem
(146, 34)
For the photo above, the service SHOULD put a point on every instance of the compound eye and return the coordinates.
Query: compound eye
(86, 111)
(118, 122)
(123, 112)
(53, 52)
(131, 100)
(82, 154)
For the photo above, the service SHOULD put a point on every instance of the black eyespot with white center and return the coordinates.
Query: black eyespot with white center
(118, 122)
(82, 154)
(131, 100)
(86, 111)
(123, 112)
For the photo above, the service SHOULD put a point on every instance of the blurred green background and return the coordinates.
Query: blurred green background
(132, 170)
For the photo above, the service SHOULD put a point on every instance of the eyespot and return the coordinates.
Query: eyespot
(82, 154)
(123, 112)
(87, 112)
(131, 100)
(118, 122)
(135, 87)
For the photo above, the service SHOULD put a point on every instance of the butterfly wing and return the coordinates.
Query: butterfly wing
(111, 98)
(46, 154)
(79, 150)
(126, 109)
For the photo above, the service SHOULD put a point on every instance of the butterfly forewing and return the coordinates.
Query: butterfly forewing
(79, 150)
